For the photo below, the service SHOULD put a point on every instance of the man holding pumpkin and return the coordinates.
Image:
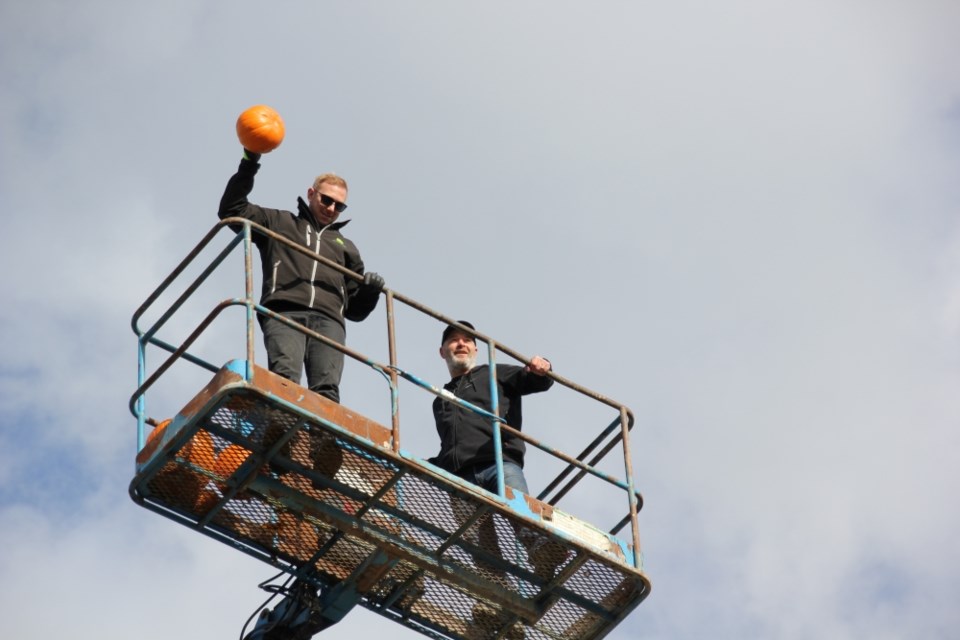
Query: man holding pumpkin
(302, 289)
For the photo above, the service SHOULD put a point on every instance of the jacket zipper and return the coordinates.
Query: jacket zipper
(313, 272)
(456, 424)
(273, 284)
(465, 378)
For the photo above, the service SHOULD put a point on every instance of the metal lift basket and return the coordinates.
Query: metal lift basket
(326, 494)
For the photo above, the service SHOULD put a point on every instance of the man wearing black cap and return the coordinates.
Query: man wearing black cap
(466, 437)
(466, 450)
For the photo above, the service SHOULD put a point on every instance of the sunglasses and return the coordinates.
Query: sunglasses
(326, 201)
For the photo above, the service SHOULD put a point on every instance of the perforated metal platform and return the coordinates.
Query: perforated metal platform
(311, 487)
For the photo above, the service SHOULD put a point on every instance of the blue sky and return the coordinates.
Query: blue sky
(739, 219)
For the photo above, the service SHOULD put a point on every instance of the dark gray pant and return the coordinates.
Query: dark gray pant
(289, 351)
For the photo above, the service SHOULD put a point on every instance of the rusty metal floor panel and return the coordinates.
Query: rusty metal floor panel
(313, 488)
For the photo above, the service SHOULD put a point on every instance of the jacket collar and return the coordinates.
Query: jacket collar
(304, 210)
(469, 375)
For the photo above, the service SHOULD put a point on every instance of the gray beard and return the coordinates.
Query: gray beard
(459, 365)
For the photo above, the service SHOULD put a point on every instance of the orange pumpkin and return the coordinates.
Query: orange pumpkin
(260, 129)
(230, 460)
(180, 485)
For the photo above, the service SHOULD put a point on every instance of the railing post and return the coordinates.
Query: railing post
(631, 490)
(394, 386)
(248, 291)
(141, 401)
(494, 422)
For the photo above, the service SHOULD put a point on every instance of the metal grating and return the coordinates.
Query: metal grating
(306, 493)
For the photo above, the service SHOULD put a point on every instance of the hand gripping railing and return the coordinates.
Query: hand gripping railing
(618, 431)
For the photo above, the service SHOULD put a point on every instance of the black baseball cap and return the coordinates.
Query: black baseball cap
(450, 329)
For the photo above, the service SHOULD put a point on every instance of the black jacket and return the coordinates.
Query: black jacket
(292, 281)
(466, 438)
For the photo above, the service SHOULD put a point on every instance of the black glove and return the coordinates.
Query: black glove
(251, 156)
(373, 280)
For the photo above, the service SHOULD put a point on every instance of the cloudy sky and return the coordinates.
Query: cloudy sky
(739, 218)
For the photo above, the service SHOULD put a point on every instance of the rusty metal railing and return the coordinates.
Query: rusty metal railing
(617, 432)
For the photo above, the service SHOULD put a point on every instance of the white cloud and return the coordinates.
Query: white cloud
(740, 221)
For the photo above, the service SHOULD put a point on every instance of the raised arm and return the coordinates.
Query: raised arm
(234, 202)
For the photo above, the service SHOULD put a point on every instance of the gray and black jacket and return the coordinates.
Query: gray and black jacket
(292, 281)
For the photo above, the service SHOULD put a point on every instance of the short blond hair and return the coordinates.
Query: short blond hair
(330, 178)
